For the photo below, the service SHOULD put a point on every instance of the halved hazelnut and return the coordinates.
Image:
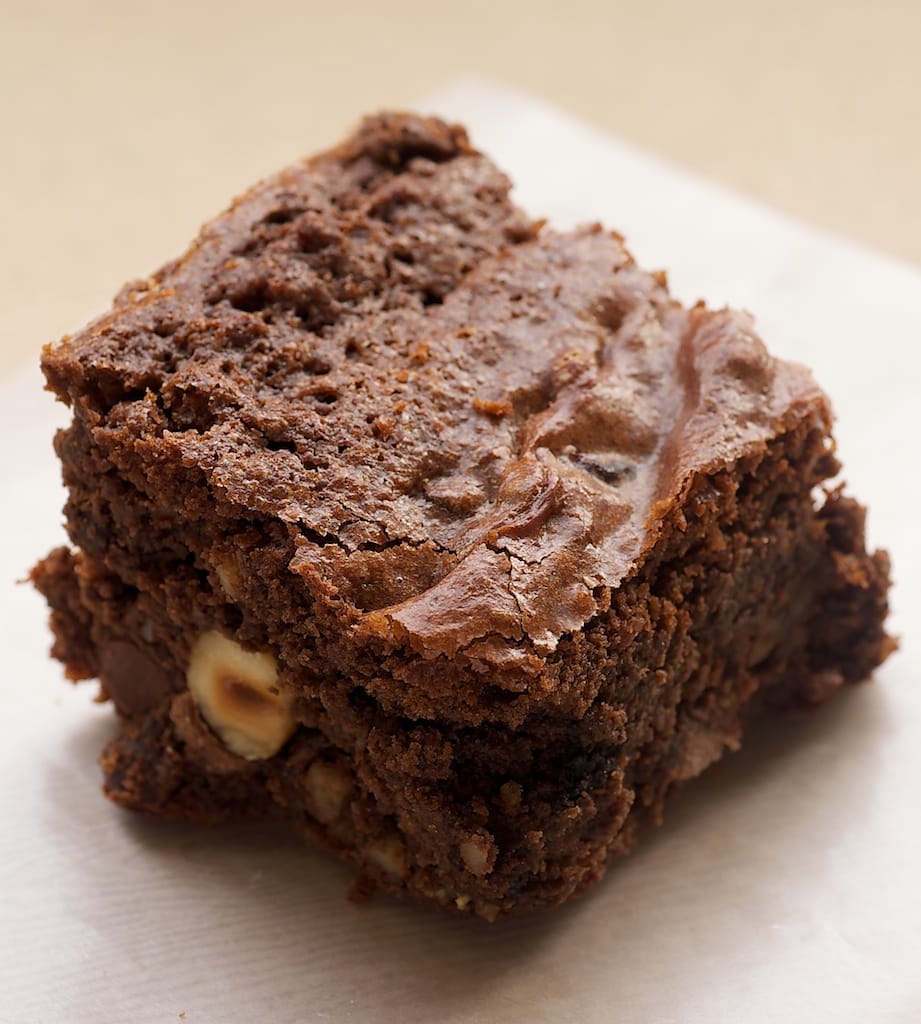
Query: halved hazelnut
(238, 695)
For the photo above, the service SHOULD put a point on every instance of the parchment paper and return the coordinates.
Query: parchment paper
(784, 885)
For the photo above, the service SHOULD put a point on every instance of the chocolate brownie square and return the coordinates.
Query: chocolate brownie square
(452, 539)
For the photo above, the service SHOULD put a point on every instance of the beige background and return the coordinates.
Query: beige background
(124, 125)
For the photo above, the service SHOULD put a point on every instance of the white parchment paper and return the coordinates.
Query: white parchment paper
(785, 884)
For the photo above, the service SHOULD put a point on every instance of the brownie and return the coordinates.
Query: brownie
(449, 538)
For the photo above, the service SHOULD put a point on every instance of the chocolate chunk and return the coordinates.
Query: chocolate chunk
(134, 680)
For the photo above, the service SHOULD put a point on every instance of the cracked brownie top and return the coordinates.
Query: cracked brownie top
(470, 426)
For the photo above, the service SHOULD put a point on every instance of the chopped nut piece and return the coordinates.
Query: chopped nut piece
(229, 575)
(238, 695)
(476, 852)
(488, 911)
(438, 893)
(328, 787)
(389, 854)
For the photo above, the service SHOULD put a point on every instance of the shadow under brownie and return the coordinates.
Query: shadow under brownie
(448, 537)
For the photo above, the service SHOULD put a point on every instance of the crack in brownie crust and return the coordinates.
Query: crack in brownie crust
(452, 539)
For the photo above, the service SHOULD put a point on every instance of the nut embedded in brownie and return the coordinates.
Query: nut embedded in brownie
(450, 538)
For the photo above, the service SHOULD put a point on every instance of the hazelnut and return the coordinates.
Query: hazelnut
(488, 911)
(439, 894)
(476, 853)
(389, 854)
(238, 695)
(328, 787)
(228, 573)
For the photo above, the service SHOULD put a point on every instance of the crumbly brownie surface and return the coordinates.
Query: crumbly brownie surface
(451, 538)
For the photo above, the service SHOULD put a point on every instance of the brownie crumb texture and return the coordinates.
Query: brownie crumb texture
(452, 539)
